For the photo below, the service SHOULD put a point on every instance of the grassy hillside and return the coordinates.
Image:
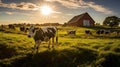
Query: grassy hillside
(80, 50)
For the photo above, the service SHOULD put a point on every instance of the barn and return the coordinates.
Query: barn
(81, 20)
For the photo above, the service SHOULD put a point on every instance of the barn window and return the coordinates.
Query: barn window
(86, 23)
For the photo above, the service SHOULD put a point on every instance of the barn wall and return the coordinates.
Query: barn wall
(86, 17)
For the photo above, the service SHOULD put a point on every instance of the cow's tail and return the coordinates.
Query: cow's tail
(56, 36)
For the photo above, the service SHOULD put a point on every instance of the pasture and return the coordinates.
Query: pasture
(80, 50)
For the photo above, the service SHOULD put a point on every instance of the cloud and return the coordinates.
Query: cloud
(21, 6)
(82, 4)
(0, 2)
(19, 13)
(70, 3)
(99, 8)
(69, 14)
(56, 12)
(73, 4)
(9, 13)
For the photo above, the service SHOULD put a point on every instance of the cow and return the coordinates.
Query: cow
(88, 32)
(23, 28)
(102, 31)
(11, 26)
(117, 32)
(43, 34)
(107, 32)
(2, 27)
(71, 32)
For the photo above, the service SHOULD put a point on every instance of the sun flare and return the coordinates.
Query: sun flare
(46, 10)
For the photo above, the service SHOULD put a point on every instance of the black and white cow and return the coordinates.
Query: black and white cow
(24, 28)
(11, 26)
(71, 32)
(43, 34)
(88, 32)
(102, 31)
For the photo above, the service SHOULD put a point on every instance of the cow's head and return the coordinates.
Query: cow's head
(31, 31)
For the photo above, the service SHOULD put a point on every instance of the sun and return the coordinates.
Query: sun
(46, 10)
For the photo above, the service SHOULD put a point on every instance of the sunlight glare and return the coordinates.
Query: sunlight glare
(46, 10)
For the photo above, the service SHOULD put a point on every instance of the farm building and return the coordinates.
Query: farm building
(81, 20)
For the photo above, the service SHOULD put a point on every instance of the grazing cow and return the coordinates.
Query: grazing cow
(117, 32)
(43, 34)
(101, 31)
(11, 26)
(71, 32)
(88, 32)
(23, 28)
(2, 27)
(107, 32)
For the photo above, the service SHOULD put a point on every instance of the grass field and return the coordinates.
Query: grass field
(80, 50)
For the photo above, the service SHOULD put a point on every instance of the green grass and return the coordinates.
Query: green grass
(72, 51)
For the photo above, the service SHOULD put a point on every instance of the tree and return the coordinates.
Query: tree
(111, 21)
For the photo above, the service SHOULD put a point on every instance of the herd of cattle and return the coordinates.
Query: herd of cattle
(103, 32)
(88, 32)
(98, 32)
(73, 32)
(13, 27)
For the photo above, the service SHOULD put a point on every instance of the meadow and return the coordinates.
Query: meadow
(78, 50)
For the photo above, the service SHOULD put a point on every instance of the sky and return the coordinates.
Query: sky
(29, 11)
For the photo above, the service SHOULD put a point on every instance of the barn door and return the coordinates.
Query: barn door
(86, 23)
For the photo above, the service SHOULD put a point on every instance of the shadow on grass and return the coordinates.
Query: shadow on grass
(75, 57)
(6, 52)
(109, 37)
(55, 58)
(108, 59)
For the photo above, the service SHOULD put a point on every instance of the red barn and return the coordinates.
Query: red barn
(81, 20)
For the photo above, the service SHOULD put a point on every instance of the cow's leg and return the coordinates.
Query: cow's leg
(56, 40)
(52, 42)
(36, 46)
(49, 42)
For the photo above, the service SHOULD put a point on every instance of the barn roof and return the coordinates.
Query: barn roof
(76, 18)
